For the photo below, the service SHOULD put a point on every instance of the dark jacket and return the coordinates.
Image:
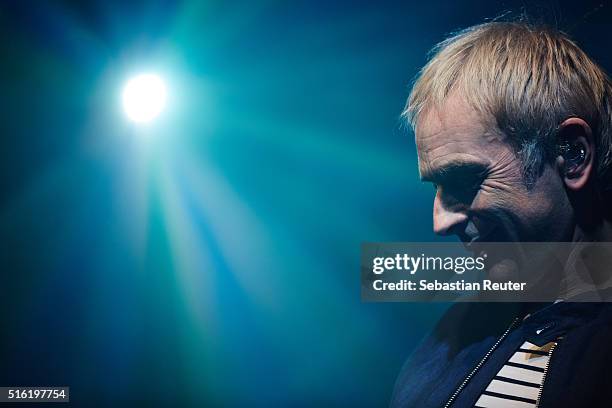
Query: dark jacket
(454, 356)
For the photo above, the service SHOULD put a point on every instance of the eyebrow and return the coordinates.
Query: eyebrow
(454, 171)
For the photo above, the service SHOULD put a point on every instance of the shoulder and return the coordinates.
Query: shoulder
(464, 332)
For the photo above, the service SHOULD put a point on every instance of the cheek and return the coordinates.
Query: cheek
(548, 204)
(499, 205)
(533, 214)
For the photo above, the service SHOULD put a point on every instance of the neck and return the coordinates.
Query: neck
(600, 232)
(588, 265)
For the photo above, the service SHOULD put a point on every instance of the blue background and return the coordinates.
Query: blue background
(213, 256)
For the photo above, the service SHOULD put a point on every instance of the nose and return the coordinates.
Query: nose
(448, 219)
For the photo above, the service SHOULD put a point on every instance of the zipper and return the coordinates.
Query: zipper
(552, 348)
(482, 361)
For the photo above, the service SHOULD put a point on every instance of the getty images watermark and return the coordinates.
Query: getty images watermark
(498, 272)
(457, 264)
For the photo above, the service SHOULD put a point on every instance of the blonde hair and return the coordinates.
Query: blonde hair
(528, 79)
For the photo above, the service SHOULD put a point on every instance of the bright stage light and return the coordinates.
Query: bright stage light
(144, 97)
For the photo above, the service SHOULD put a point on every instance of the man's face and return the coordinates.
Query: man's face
(481, 194)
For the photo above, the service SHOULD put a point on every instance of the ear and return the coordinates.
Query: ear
(576, 153)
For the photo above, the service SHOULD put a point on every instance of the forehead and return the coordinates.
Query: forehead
(455, 133)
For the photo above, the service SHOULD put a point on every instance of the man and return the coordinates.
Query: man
(513, 126)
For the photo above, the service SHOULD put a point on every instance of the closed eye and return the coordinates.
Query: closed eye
(459, 182)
